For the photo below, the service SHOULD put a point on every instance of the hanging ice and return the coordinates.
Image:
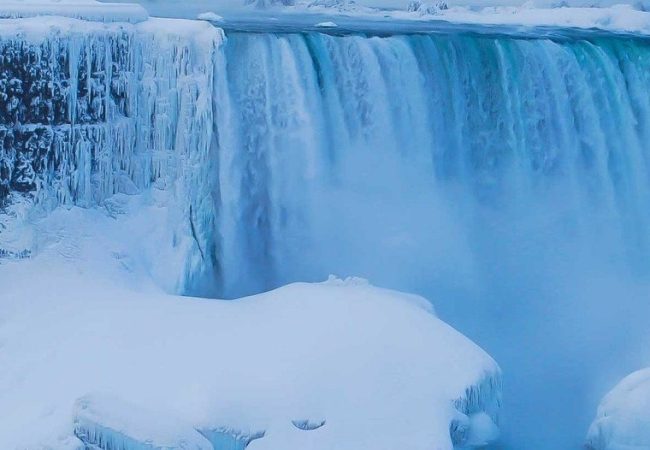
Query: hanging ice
(92, 110)
(106, 423)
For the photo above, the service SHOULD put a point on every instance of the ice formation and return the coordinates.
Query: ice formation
(623, 417)
(92, 110)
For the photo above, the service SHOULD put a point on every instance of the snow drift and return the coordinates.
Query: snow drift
(94, 353)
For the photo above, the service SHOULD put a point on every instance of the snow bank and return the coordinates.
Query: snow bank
(79, 9)
(93, 350)
(623, 417)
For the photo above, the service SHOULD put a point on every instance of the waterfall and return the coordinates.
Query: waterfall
(503, 177)
(346, 153)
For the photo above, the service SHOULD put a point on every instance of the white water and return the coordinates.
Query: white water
(506, 179)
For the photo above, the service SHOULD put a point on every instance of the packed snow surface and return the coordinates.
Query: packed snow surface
(91, 346)
(80, 9)
(623, 418)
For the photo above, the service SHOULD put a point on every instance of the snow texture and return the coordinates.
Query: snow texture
(623, 418)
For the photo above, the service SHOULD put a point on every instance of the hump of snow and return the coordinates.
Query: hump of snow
(78, 9)
(623, 417)
(210, 16)
(341, 364)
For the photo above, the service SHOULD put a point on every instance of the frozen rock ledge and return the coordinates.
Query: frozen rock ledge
(623, 417)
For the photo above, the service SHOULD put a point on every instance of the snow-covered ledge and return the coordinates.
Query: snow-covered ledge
(95, 354)
(78, 9)
(623, 417)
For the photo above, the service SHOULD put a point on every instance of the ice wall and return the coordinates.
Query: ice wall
(90, 110)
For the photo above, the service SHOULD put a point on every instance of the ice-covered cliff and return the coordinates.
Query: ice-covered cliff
(92, 109)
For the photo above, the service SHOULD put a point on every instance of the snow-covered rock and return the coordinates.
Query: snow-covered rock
(210, 16)
(94, 352)
(623, 418)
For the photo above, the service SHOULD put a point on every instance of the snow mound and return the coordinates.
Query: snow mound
(78, 9)
(623, 417)
(210, 17)
(340, 364)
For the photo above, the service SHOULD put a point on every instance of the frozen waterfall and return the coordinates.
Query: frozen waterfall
(505, 176)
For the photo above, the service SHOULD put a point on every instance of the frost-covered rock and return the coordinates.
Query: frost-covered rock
(623, 417)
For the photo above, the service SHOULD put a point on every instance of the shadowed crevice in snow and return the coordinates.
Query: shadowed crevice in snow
(308, 425)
